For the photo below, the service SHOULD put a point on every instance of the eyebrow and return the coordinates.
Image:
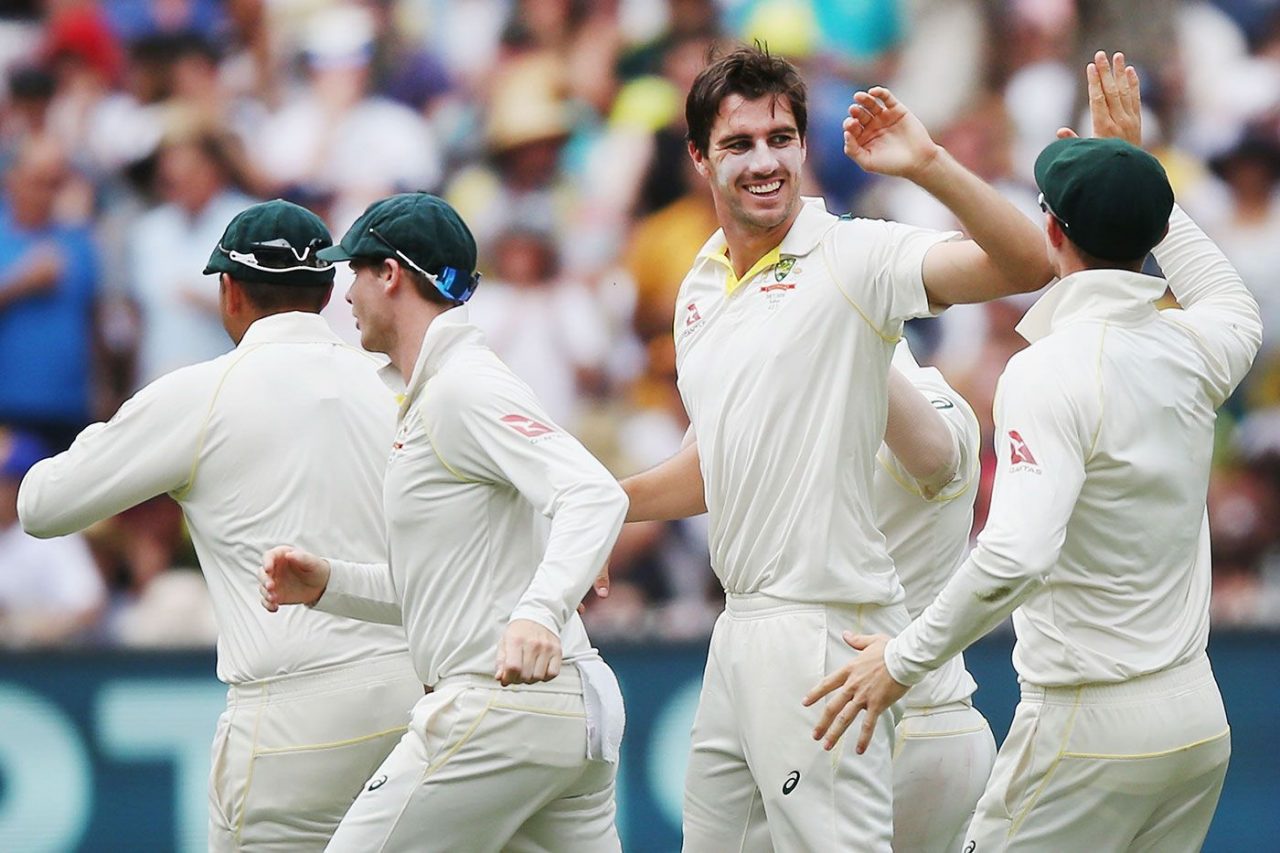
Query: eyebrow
(773, 131)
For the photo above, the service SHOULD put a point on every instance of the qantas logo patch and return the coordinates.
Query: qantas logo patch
(527, 427)
(1020, 455)
(692, 316)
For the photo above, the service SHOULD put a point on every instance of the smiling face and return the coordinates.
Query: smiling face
(753, 162)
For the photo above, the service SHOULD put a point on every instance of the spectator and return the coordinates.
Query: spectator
(50, 589)
(48, 276)
(195, 174)
(548, 328)
(334, 141)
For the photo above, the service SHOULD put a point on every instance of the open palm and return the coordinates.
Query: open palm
(883, 136)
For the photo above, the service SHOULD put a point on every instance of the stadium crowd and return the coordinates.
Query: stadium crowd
(131, 131)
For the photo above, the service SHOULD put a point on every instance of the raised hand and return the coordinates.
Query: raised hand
(1115, 99)
(291, 576)
(883, 136)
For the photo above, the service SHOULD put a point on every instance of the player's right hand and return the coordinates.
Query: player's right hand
(291, 576)
(527, 653)
(1115, 99)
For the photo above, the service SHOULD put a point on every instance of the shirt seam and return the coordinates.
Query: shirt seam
(179, 494)
(831, 268)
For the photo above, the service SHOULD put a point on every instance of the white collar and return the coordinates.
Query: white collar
(1119, 296)
(289, 327)
(444, 334)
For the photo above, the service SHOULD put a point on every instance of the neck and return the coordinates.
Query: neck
(749, 244)
(411, 331)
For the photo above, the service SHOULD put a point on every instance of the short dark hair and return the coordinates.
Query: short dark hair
(286, 297)
(749, 71)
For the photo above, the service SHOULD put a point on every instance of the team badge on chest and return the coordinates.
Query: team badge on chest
(776, 291)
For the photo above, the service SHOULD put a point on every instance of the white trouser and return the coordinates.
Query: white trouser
(290, 753)
(1131, 766)
(487, 768)
(941, 762)
(757, 780)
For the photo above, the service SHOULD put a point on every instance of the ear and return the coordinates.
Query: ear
(391, 276)
(1054, 230)
(699, 161)
(231, 295)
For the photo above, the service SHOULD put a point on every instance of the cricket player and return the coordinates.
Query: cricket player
(284, 438)
(926, 480)
(784, 329)
(1097, 540)
(497, 522)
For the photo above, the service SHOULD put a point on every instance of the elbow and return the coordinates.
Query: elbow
(619, 503)
(1039, 273)
(34, 522)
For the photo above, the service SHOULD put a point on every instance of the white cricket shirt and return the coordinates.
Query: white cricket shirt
(784, 377)
(493, 513)
(281, 441)
(928, 537)
(1104, 432)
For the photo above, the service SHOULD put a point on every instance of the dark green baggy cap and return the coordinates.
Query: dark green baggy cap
(1112, 199)
(420, 230)
(275, 242)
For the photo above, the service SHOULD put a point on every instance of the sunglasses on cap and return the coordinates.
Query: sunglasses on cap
(279, 256)
(1044, 206)
(450, 282)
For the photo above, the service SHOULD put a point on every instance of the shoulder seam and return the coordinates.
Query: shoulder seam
(204, 426)
(831, 270)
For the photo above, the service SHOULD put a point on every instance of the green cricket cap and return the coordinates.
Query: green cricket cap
(1111, 198)
(420, 230)
(275, 242)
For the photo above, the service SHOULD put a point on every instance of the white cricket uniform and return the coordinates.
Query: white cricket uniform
(284, 439)
(944, 750)
(476, 471)
(784, 377)
(1098, 536)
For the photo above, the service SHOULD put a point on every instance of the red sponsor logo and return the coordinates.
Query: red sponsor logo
(765, 288)
(526, 426)
(693, 315)
(1020, 454)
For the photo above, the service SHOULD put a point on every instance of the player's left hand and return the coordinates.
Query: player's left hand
(527, 653)
(881, 135)
(863, 684)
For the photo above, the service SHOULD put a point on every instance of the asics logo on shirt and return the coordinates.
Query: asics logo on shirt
(377, 783)
(793, 779)
(526, 426)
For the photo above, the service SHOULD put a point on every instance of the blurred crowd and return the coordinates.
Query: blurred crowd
(131, 131)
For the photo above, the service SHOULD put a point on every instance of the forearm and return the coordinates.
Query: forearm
(99, 476)
(1019, 262)
(669, 491)
(364, 591)
(972, 603)
(23, 284)
(919, 436)
(1197, 270)
(585, 522)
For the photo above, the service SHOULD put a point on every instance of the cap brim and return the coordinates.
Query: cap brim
(334, 254)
